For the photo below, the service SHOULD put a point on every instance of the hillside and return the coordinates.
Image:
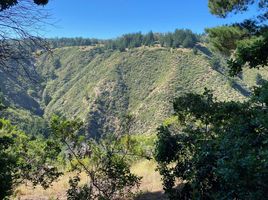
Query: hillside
(102, 86)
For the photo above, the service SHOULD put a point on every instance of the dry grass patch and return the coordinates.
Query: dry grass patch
(56, 191)
(151, 181)
(151, 185)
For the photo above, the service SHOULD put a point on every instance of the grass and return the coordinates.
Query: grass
(151, 184)
(56, 191)
(151, 181)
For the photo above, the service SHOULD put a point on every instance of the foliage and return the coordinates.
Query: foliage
(252, 52)
(184, 38)
(112, 83)
(259, 79)
(108, 168)
(248, 39)
(76, 192)
(25, 158)
(224, 7)
(224, 38)
(219, 151)
(78, 41)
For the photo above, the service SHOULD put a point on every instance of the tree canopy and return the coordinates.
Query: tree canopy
(6, 4)
(178, 38)
(224, 7)
(217, 148)
(246, 41)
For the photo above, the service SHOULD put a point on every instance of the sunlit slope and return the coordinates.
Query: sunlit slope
(102, 87)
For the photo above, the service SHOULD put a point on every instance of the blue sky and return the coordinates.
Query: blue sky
(111, 18)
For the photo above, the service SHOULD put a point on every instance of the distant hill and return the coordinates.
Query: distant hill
(101, 86)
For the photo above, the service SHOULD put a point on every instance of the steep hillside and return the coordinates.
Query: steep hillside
(103, 86)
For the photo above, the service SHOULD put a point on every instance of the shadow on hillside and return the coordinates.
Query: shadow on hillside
(151, 196)
(244, 91)
(205, 50)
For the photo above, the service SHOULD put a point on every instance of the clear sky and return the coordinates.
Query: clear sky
(111, 18)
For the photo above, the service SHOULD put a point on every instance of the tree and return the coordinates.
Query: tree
(168, 40)
(259, 79)
(247, 41)
(107, 167)
(223, 8)
(57, 63)
(219, 149)
(179, 36)
(224, 38)
(149, 39)
(6, 4)
(25, 158)
(20, 20)
(188, 42)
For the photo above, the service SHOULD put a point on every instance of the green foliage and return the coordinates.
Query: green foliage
(78, 41)
(224, 7)
(224, 38)
(112, 82)
(219, 150)
(25, 158)
(248, 39)
(108, 168)
(252, 52)
(149, 39)
(2, 101)
(195, 51)
(184, 38)
(76, 192)
(6, 165)
(24, 120)
(57, 63)
(247, 43)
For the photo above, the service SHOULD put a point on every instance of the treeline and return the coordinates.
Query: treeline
(78, 41)
(179, 38)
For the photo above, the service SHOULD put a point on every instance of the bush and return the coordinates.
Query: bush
(23, 158)
(109, 172)
(219, 149)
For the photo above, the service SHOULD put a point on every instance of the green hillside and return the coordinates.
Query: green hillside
(102, 86)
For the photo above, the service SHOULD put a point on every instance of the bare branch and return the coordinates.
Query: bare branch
(19, 38)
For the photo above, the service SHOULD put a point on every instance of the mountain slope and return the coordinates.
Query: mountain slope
(103, 86)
